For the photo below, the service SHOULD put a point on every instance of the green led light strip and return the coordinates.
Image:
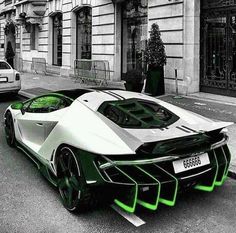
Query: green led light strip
(122, 205)
(211, 187)
(166, 201)
(146, 204)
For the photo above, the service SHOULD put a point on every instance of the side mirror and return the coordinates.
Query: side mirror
(18, 106)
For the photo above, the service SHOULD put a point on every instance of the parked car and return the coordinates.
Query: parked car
(9, 78)
(118, 146)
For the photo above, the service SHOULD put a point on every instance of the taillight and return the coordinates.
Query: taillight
(17, 77)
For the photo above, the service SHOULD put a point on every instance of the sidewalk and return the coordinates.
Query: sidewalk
(212, 106)
(35, 84)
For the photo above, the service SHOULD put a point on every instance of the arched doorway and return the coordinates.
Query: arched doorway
(134, 34)
(57, 39)
(84, 33)
(218, 47)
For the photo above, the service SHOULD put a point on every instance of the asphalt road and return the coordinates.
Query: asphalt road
(28, 203)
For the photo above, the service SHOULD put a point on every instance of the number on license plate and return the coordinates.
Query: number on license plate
(191, 163)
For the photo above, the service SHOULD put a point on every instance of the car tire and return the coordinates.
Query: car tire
(9, 130)
(71, 184)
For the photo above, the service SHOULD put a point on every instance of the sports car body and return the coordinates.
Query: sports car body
(116, 145)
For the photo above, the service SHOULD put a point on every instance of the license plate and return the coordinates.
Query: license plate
(3, 79)
(191, 163)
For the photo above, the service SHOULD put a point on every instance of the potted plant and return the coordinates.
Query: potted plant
(134, 80)
(155, 57)
(9, 55)
(10, 27)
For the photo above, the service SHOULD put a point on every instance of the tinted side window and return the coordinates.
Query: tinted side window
(4, 66)
(46, 104)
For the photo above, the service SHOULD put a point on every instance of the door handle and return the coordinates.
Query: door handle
(39, 124)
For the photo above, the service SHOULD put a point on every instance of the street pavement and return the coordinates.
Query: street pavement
(29, 204)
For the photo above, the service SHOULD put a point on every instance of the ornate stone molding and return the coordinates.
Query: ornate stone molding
(30, 12)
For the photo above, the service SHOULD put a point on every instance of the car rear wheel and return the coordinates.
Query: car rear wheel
(71, 184)
(9, 130)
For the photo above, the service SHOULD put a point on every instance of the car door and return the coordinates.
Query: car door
(38, 119)
(6, 73)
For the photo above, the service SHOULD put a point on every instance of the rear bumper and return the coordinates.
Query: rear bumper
(10, 87)
(153, 183)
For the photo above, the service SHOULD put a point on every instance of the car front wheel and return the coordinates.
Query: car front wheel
(9, 130)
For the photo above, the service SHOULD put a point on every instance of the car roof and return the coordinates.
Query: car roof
(73, 93)
(76, 93)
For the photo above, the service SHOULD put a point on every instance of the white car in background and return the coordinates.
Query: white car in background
(9, 78)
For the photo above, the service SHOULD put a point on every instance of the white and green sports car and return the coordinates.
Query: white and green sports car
(118, 146)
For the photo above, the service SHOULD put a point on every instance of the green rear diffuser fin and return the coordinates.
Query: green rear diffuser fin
(221, 182)
(146, 204)
(211, 187)
(165, 201)
(122, 205)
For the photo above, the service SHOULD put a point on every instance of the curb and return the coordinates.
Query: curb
(232, 172)
(25, 94)
(232, 175)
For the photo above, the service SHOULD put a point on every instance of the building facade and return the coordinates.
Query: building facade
(199, 37)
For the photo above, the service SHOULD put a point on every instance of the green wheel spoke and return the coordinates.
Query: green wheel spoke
(74, 183)
(62, 184)
(70, 196)
(70, 164)
(63, 166)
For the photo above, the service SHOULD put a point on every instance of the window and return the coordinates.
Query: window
(34, 37)
(46, 104)
(4, 66)
(57, 39)
(135, 34)
(139, 114)
(84, 33)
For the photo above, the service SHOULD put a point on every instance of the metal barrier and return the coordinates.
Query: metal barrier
(92, 70)
(38, 64)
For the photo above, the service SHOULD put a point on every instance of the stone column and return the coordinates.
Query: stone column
(118, 47)
(192, 45)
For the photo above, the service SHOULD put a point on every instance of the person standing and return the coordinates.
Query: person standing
(10, 54)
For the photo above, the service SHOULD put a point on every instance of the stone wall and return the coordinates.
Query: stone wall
(178, 20)
(179, 24)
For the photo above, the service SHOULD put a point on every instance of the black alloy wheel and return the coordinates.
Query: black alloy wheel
(9, 130)
(71, 183)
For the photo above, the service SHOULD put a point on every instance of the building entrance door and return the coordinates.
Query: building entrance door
(218, 51)
(134, 35)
